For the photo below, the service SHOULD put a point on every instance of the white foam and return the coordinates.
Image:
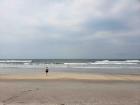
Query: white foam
(75, 63)
(132, 60)
(15, 61)
(88, 67)
(116, 62)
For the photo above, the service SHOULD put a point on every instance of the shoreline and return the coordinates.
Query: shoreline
(72, 76)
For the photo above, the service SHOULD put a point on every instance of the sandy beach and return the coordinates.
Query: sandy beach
(64, 88)
(69, 52)
(71, 76)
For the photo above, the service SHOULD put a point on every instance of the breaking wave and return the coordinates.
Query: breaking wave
(15, 61)
(117, 62)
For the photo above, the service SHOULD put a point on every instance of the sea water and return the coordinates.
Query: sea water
(108, 66)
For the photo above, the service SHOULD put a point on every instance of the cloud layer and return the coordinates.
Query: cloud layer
(69, 29)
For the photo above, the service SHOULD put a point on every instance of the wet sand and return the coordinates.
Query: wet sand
(69, 89)
(71, 76)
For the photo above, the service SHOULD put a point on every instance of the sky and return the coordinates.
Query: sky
(49, 29)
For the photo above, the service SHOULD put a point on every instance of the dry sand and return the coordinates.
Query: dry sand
(59, 88)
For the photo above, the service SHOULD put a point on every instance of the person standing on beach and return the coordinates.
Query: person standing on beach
(47, 70)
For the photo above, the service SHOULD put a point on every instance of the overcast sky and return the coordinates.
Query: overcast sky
(69, 29)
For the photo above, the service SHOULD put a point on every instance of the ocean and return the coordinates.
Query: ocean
(105, 66)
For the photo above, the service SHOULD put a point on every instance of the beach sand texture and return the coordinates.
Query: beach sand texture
(68, 92)
(74, 76)
(64, 88)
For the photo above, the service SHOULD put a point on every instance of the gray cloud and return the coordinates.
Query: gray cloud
(69, 29)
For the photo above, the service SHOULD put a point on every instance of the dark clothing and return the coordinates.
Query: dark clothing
(47, 70)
